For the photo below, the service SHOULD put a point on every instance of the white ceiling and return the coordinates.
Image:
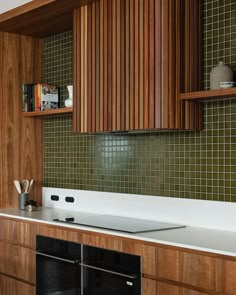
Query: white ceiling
(7, 5)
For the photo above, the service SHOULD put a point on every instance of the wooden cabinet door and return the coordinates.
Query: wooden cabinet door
(128, 60)
(17, 232)
(10, 286)
(167, 289)
(187, 268)
(17, 262)
(226, 276)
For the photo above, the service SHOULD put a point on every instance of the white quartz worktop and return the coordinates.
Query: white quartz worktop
(191, 237)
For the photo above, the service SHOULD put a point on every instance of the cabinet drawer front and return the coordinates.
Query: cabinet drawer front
(192, 269)
(225, 276)
(166, 289)
(59, 233)
(18, 262)
(198, 270)
(14, 287)
(17, 232)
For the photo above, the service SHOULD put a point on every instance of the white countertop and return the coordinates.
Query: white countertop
(209, 240)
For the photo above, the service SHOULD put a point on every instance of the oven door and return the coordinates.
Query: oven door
(57, 276)
(57, 267)
(106, 272)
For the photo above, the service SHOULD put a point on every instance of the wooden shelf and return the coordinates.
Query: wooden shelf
(48, 113)
(41, 18)
(210, 94)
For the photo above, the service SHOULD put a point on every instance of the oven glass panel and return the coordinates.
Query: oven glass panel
(56, 277)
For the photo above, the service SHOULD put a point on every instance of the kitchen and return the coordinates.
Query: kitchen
(118, 173)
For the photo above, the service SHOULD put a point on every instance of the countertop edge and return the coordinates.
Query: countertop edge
(120, 234)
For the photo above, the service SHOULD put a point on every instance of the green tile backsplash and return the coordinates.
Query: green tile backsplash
(198, 165)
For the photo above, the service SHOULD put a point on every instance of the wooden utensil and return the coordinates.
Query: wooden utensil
(31, 185)
(18, 186)
(25, 185)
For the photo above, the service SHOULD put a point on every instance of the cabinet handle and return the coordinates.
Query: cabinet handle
(57, 258)
(109, 271)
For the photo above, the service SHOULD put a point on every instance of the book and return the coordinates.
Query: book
(39, 97)
(24, 98)
(46, 97)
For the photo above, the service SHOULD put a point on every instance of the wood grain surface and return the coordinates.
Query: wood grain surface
(143, 61)
(21, 138)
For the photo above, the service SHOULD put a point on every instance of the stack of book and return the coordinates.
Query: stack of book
(39, 97)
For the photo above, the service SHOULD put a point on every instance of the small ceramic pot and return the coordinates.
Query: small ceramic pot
(220, 73)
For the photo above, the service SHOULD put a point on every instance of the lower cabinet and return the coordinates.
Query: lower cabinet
(166, 270)
(10, 286)
(151, 287)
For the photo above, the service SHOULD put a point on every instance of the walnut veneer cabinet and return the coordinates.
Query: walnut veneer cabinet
(166, 270)
(132, 58)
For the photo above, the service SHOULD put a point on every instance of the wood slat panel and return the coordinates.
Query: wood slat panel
(146, 64)
(90, 70)
(131, 68)
(136, 64)
(141, 64)
(94, 68)
(105, 64)
(109, 65)
(134, 56)
(151, 63)
(165, 63)
(101, 65)
(114, 65)
(127, 64)
(123, 66)
(97, 62)
(118, 64)
(82, 58)
(172, 63)
(158, 62)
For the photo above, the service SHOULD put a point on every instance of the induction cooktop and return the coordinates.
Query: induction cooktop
(118, 223)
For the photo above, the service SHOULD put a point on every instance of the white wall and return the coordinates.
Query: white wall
(10, 4)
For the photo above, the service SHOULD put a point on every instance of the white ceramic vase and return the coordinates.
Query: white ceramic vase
(69, 101)
(220, 73)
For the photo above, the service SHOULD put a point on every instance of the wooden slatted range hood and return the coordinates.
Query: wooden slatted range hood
(41, 18)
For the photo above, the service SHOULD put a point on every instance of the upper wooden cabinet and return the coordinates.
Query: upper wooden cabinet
(132, 58)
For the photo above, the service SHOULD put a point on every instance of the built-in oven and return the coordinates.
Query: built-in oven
(69, 268)
(57, 267)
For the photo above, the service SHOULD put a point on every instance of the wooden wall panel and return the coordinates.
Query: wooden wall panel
(21, 138)
(144, 49)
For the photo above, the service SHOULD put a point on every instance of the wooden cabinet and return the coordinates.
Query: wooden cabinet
(186, 268)
(226, 276)
(167, 289)
(130, 62)
(165, 270)
(9, 286)
(17, 262)
(17, 232)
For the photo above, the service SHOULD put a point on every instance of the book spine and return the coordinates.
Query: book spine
(24, 98)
